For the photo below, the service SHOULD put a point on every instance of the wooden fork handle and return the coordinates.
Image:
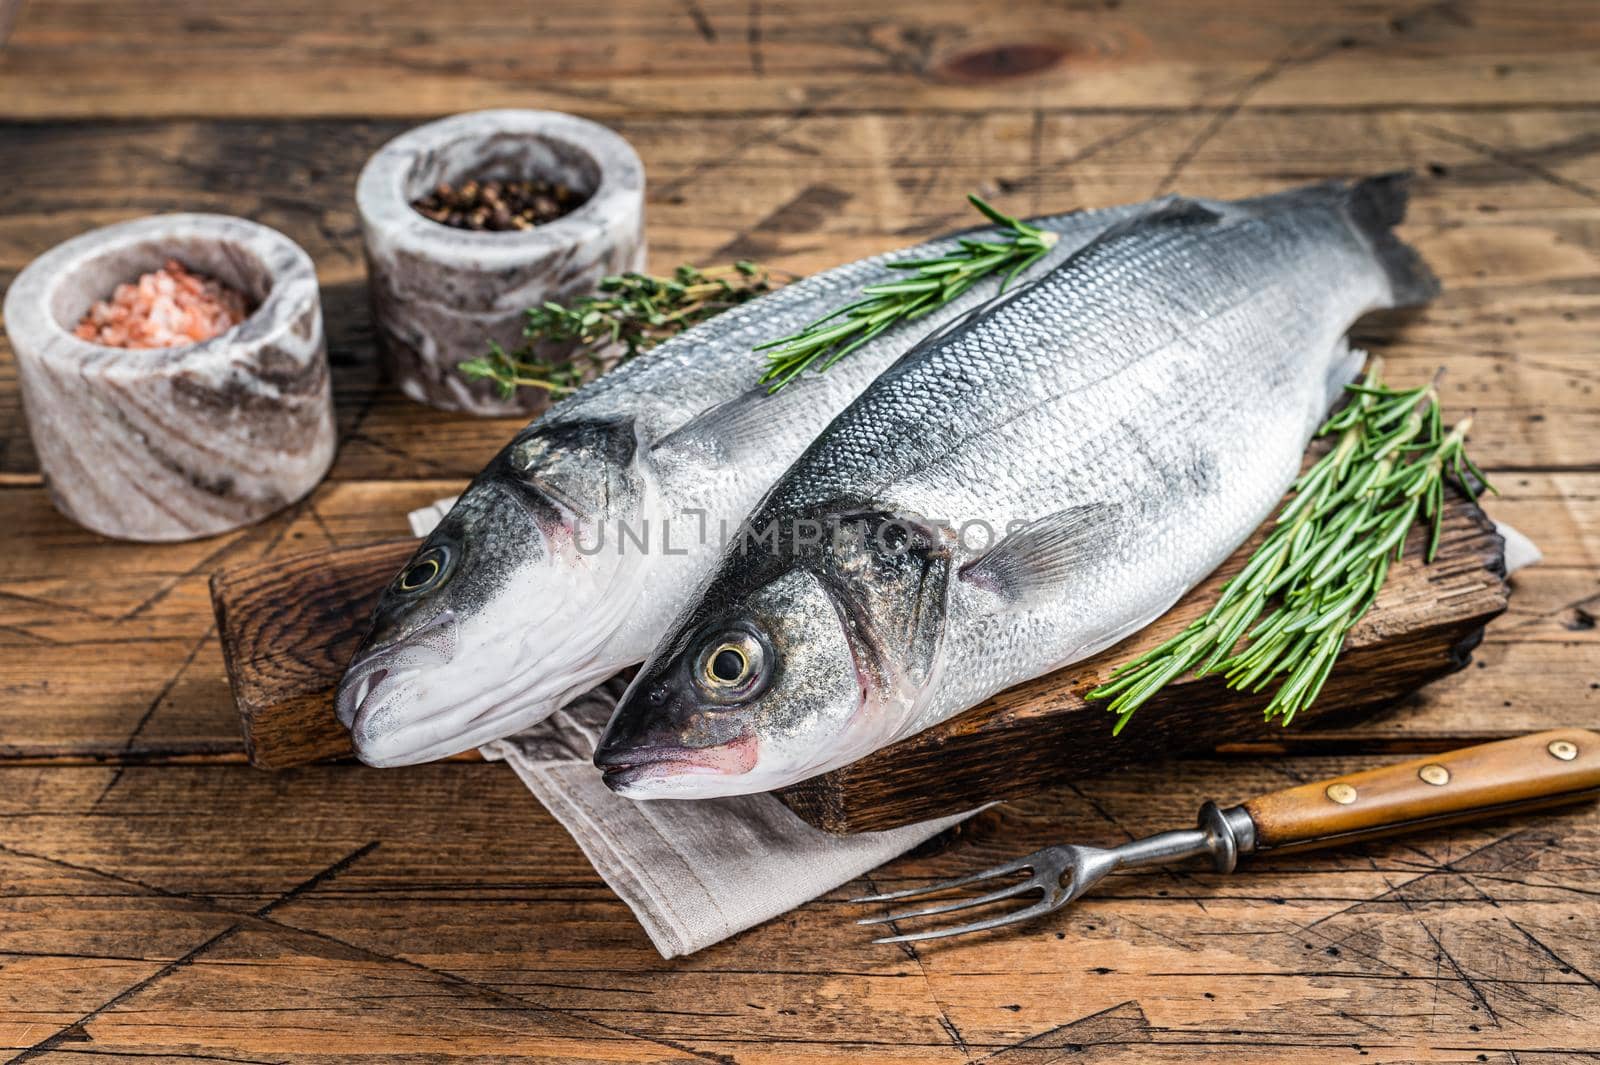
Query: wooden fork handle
(1528, 772)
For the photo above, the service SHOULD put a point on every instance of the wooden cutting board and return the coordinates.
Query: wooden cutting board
(289, 625)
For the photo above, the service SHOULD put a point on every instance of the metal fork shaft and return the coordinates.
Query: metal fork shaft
(1223, 834)
(1173, 846)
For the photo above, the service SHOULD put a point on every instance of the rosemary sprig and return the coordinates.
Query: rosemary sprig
(1322, 564)
(638, 311)
(931, 283)
(630, 314)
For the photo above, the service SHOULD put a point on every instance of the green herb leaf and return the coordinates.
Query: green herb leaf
(1323, 562)
(630, 314)
(933, 283)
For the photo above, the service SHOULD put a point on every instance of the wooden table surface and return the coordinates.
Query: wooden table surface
(159, 900)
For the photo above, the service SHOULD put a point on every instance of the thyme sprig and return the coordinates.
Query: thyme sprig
(930, 284)
(630, 314)
(1322, 564)
(633, 312)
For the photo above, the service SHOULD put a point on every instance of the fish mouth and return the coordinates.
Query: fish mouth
(373, 678)
(424, 714)
(424, 740)
(371, 683)
(632, 771)
(465, 724)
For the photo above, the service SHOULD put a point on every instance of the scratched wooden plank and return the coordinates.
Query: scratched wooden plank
(341, 912)
(820, 132)
(1506, 209)
(633, 56)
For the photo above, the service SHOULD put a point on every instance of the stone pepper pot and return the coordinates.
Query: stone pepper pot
(182, 442)
(441, 295)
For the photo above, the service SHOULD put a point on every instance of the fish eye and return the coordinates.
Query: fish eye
(730, 665)
(425, 571)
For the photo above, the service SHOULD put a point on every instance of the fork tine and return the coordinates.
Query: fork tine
(1015, 866)
(1038, 909)
(1013, 890)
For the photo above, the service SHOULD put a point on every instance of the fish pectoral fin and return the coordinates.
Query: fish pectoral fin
(1039, 558)
(735, 426)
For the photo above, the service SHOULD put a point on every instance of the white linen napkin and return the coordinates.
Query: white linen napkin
(693, 872)
(696, 872)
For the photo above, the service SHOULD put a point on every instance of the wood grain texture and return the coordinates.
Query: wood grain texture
(635, 56)
(288, 628)
(1504, 209)
(160, 901)
(336, 913)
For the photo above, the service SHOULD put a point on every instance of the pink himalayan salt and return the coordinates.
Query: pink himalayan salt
(163, 309)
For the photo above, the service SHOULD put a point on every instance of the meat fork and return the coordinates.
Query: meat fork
(1530, 772)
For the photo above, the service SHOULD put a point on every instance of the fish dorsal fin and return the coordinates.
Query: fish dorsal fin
(1040, 557)
(1176, 210)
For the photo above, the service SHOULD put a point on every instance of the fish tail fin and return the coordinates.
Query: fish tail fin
(1374, 206)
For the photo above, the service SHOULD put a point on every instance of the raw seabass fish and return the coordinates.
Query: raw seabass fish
(568, 556)
(1021, 491)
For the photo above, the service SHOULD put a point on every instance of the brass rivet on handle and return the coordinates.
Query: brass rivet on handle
(1435, 774)
(1341, 793)
(1565, 750)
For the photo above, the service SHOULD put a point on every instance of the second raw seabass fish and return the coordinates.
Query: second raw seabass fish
(1121, 425)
